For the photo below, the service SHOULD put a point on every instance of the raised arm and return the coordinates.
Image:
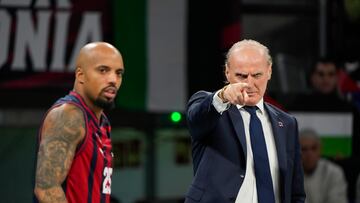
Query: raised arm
(63, 130)
(202, 116)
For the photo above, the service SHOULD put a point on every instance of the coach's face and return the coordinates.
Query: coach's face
(249, 65)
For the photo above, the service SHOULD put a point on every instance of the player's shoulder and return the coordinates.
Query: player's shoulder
(65, 120)
(69, 109)
(65, 112)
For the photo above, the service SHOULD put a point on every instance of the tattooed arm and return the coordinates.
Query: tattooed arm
(63, 130)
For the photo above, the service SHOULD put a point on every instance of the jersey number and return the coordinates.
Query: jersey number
(107, 180)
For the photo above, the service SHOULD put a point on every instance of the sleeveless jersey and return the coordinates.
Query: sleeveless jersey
(89, 178)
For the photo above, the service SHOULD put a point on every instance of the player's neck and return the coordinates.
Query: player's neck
(91, 105)
(95, 109)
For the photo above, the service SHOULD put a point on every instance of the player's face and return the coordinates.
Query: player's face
(103, 78)
(249, 65)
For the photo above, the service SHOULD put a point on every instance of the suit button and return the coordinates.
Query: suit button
(242, 176)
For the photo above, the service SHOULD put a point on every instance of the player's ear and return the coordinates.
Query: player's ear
(79, 74)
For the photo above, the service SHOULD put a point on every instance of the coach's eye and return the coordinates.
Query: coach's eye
(120, 73)
(257, 75)
(241, 76)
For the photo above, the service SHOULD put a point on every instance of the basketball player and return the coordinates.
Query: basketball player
(74, 161)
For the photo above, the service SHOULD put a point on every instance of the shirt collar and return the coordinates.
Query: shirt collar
(260, 105)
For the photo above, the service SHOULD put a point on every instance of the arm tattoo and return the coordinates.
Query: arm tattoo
(63, 129)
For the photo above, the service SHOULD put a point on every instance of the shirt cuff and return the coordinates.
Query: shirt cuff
(218, 103)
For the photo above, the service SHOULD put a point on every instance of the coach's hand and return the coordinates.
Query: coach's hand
(234, 93)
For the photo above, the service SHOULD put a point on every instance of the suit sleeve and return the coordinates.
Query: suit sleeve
(202, 116)
(298, 192)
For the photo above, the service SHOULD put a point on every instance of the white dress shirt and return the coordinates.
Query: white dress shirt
(248, 191)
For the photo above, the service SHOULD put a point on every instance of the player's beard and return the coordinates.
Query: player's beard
(101, 101)
(106, 105)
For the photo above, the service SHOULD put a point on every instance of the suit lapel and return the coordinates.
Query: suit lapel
(278, 127)
(238, 124)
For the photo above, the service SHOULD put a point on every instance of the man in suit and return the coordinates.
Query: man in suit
(244, 150)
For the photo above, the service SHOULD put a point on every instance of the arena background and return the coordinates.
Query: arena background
(171, 49)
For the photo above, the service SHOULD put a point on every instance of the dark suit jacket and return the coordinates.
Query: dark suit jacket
(219, 152)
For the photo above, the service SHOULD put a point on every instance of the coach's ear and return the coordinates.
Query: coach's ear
(269, 72)
(227, 74)
(79, 75)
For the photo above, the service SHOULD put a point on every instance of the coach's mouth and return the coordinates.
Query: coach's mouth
(251, 94)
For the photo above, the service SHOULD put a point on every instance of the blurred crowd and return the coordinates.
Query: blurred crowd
(335, 87)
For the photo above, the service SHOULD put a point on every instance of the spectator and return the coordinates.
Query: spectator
(324, 95)
(323, 77)
(324, 181)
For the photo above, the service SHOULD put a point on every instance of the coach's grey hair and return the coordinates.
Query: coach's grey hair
(248, 42)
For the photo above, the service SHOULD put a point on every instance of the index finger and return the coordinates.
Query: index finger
(241, 85)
